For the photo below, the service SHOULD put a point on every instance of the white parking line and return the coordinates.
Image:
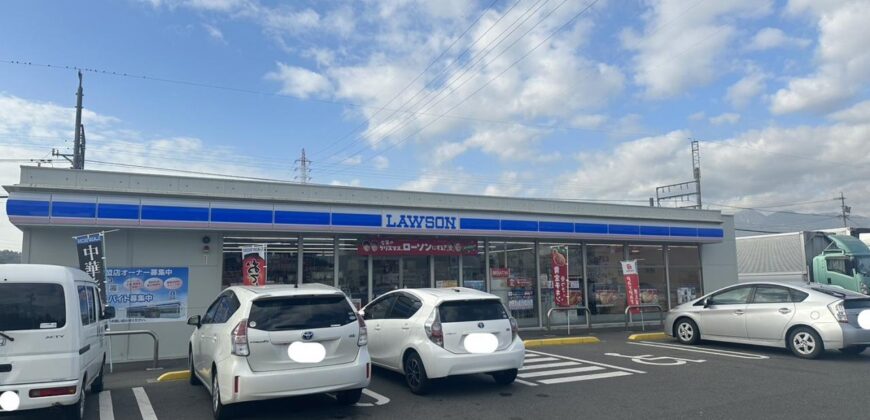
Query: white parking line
(583, 377)
(548, 365)
(107, 411)
(589, 362)
(532, 355)
(725, 353)
(560, 371)
(144, 404)
(520, 381)
(541, 359)
(379, 399)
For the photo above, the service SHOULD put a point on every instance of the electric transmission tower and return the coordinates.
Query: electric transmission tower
(302, 169)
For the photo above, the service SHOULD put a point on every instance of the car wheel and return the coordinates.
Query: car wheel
(854, 350)
(97, 385)
(218, 410)
(805, 343)
(349, 397)
(505, 377)
(686, 331)
(77, 410)
(193, 380)
(415, 374)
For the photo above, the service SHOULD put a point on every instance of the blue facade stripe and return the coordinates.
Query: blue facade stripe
(301, 217)
(654, 230)
(174, 213)
(478, 224)
(34, 208)
(520, 225)
(556, 227)
(118, 211)
(684, 231)
(711, 233)
(624, 229)
(73, 209)
(241, 215)
(356, 219)
(590, 228)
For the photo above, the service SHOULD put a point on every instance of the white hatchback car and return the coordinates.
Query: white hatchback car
(257, 343)
(434, 333)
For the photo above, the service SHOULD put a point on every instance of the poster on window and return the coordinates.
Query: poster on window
(632, 284)
(521, 300)
(559, 260)
(381, 247)
(147, 294)
(475, 284)
(254, 265)
(92, 258)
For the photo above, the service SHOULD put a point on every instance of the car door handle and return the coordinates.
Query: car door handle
(377, 327)
(406, 327)
(784, 310)
(738, 312)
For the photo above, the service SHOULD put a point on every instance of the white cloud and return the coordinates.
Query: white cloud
(680, 45)
(726, 118)
(856, 114)
(698, 116)
(380, 162)
(508, 186)
(769, 38)
(214, 32)
(352, 160)
(588, 121)
(842, 56)
(299, 82)
(352, 183)
(746, 89)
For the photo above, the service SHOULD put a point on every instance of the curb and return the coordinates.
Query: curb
(177, 375)
(560, 341)
(647, 336)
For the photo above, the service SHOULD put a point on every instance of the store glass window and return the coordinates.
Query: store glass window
(353, 272)
(684, 268)
(446, 271)
(512, 268)
(573, 260)
(652, 278)
(281, 259)
(605, 282)
(416, 272)
(318, 264)
(474, 269)
(386, 275)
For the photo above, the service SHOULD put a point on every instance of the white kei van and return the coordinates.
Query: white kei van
(52, 342)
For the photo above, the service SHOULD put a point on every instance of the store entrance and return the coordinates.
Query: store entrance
(386, 275)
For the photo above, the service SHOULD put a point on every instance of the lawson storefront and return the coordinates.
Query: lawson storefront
(367, 242)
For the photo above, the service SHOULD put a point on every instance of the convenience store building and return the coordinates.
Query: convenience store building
(188, 232)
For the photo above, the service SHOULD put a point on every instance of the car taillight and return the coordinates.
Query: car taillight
(52, 392)
(363, 332)
(515, 328)
(839, 311)
(239, 339)
(433, 328)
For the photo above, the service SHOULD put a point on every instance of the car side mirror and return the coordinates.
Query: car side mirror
(196, 321)
(109, 312)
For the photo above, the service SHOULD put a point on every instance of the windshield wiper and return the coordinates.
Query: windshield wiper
(6, 336)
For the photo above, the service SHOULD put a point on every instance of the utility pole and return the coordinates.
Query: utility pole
(696, 169)
(77, 158)
(844, 209)
(303, 167)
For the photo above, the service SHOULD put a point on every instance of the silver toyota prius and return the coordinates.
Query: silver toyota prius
(804, 319)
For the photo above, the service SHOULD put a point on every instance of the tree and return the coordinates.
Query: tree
(10, 257)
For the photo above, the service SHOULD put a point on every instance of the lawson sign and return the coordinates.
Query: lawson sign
(400, 220)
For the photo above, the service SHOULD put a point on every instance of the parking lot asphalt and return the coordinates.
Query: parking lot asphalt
(614, 378)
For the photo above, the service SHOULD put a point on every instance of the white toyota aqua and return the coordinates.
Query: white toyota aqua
(433, 333)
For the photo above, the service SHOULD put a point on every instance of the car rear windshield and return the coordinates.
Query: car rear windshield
(856, 303)
(471, 310)
(31, 306)
(838, 292)
(300, 312)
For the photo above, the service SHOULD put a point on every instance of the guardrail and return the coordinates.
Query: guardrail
(570, 308)
(141, 332)
(642, 307)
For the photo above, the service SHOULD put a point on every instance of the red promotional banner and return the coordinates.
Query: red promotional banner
(254, 265)
(398, 247)
(632, 284)
(559, 258)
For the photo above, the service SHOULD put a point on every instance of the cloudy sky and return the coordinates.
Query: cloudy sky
(573, 99)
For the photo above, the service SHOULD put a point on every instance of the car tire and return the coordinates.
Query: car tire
(193, 380)
(805, 343)
(415, 374)
(854, 350)
(218, 409)
(349, 397)
(97, 384)
(686, 331)
(77, 410)
(505, 377)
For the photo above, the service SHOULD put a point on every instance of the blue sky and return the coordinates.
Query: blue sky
(599, 109)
